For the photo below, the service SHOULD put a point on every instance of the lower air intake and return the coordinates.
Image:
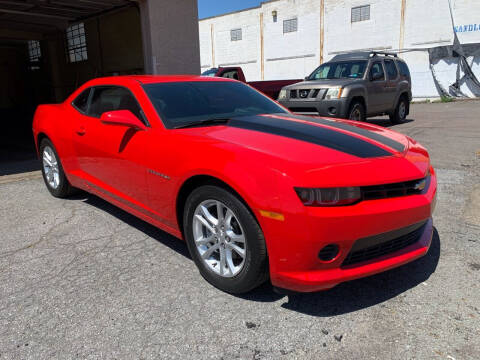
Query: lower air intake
(373, 247)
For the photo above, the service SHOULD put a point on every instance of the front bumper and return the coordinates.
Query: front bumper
(331, 108)
(294, 244)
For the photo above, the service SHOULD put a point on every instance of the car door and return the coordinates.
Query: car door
(112, 157)
(391, 88)
(376, 88)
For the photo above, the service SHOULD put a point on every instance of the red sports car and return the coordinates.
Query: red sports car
(256, 191)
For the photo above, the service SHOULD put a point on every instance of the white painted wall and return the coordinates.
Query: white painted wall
(295, 55)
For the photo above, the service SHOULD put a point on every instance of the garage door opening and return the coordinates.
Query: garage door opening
(48, 49)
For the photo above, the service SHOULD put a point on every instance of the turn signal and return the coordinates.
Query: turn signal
(329, 196)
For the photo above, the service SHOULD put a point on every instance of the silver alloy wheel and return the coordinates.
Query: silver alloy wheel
(219, 238)
(402, 110)
(356, 114)
(50, 167)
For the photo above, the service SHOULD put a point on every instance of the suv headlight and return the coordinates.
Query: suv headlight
(334, 93)
(282, 95)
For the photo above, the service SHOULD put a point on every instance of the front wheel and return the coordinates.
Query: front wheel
(356, 111)
(225, 240)
(52, 171)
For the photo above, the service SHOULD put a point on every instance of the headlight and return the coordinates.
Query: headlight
(334, 93)
(329, 196)
(282, 95)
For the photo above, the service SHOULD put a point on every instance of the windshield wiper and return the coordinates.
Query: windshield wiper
(204, 122)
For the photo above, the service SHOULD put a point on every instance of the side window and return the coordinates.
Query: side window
(111, 98)
(403, 69)
(232, 74)
(376, 71)
(81, 101)
(391, 69)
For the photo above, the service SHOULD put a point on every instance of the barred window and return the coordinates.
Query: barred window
(290, 25)
(34, 51)
(236, 34)
(76, 43)
(360, 13)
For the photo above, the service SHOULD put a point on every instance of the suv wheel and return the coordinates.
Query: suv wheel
(400, 113)
(225, 240)
(356, 111)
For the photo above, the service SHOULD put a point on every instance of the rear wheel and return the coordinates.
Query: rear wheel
(400, 113)
(356, 111)
(224, 240)
(52, 171)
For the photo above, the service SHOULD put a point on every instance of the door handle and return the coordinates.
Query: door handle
(81, 131)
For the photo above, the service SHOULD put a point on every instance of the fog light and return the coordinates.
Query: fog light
(328, 252)
(332, 110)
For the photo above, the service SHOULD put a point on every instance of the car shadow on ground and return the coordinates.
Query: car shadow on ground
(344, 298)
(148, 229)
(385, 122)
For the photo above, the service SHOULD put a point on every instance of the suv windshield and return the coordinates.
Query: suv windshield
(210, 72)
(339, 70)
(181, 103)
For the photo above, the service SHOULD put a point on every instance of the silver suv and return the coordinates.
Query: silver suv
(354, 86)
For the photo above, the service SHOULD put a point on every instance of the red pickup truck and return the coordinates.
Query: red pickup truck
(270, 88)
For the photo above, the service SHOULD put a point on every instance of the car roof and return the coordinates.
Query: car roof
(153, 79)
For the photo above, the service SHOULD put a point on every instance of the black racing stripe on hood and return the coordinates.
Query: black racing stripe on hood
(310, 133)
(355, 129)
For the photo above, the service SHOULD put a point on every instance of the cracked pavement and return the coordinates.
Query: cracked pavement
(82, 279)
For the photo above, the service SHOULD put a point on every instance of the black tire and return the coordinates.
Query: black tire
(400, 113)
(255, 267)
(64, 189)
(356, 111)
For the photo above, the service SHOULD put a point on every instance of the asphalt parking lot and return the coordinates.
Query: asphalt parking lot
(82, 279)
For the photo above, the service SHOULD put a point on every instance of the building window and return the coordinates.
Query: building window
(236, 34)
(290, 25)
(76, 43)
(360, 13)
(34, 52)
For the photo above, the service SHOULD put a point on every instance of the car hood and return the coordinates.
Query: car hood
(328, 83)
(312, 146)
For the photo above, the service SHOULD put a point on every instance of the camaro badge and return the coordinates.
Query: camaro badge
(153, 172)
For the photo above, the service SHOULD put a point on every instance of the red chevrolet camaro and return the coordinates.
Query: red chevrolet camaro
(256, 191)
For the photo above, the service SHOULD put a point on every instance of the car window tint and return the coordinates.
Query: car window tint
(111, 98)
(339, 70)
(377, 68)
(183, 102)
(81, 101)
(403, 69)
(391, 69)
(232, 74)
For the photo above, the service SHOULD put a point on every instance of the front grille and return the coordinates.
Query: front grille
(397, 189)
(373, 247)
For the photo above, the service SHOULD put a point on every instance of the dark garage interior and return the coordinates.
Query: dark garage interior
(50, 47)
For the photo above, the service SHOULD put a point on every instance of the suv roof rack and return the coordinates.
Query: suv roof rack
(364, 55)
(375, 53)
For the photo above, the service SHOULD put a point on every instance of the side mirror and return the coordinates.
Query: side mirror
(122, 118)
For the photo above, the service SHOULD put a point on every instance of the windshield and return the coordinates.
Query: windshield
(180, 103)
(210, 72)
(339, 70)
